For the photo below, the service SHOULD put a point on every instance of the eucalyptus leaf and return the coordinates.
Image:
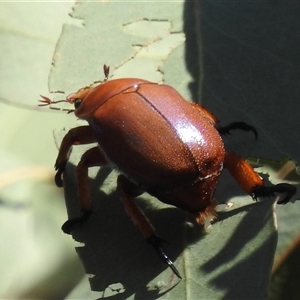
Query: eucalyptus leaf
(230, 63)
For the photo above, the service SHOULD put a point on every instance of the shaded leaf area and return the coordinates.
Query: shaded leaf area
(234, 76)
(250, 70)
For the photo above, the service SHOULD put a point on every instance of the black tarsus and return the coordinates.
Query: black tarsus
(58, 178)
(265, 191)
(69, 225)
(156, 242)
(223, 130)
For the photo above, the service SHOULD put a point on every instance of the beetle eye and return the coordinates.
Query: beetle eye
(77, 103)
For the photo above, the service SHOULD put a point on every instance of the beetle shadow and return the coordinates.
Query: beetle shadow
(252, 271)
(115, 252)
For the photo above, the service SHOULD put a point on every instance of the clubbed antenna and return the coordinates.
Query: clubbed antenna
(46, 101)
(106, 72)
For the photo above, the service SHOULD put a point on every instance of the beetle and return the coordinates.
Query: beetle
(161, 144)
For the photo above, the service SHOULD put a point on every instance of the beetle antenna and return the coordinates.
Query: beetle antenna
(46, 101)
(106, 72)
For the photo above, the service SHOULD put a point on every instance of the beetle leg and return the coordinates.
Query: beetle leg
(75, 136)
(251, 182)
(236, 125)
(127, 191)
(92, 157)
(242, 172)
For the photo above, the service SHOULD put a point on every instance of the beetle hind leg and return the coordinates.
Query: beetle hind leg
(252, 183)
(127, 191)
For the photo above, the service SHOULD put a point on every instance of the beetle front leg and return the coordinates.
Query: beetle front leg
(252, 183)
(76, 136)
(91, 158)
(127, 191)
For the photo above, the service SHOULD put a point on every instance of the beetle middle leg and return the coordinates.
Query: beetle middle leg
(91, 158)
(128, 191)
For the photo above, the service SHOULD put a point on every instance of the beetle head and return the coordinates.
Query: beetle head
(80, 94)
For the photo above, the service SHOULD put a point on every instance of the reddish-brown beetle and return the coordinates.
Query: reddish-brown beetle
(161, 144)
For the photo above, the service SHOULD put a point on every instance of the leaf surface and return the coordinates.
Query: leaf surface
(233, 73)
